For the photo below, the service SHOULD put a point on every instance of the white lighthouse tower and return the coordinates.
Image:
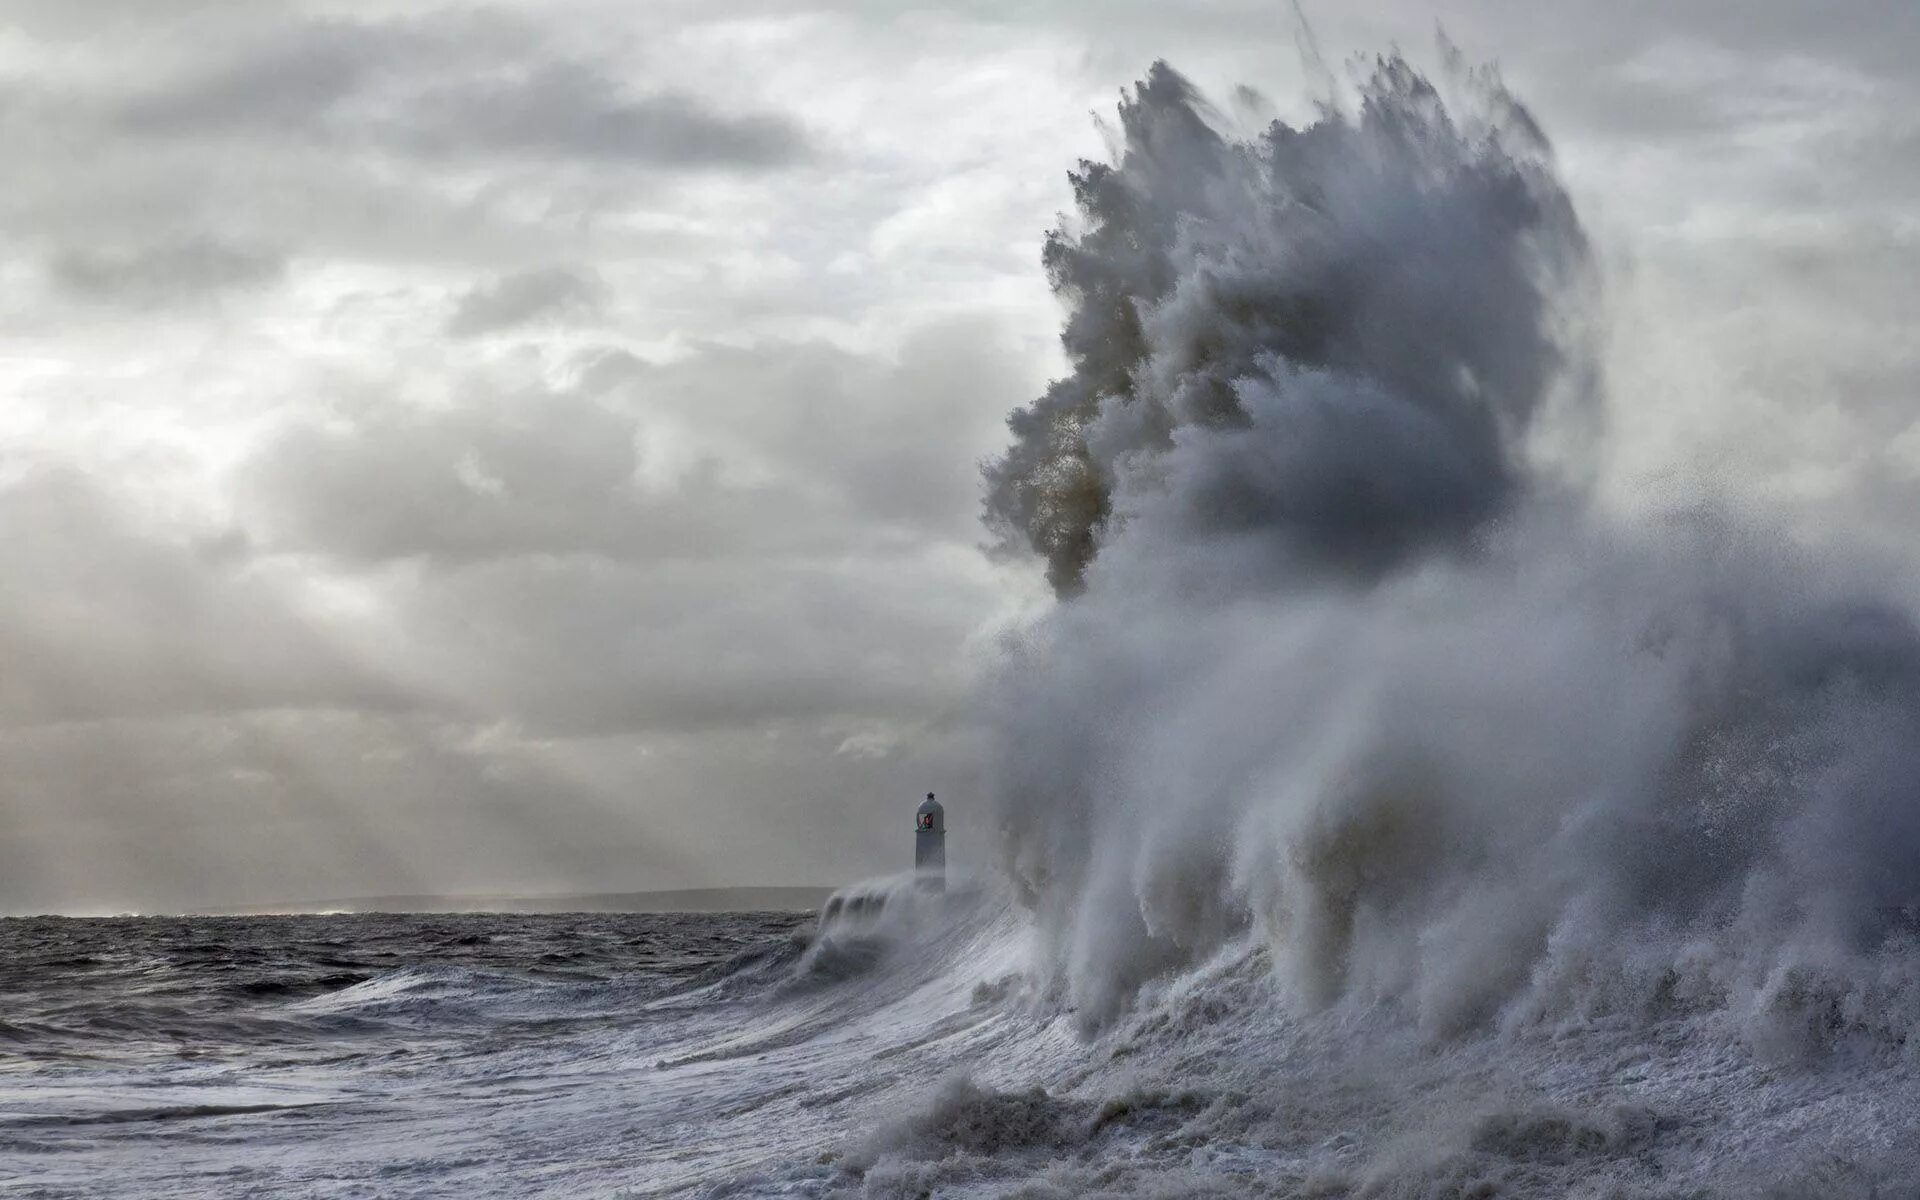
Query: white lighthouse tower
(930, 845)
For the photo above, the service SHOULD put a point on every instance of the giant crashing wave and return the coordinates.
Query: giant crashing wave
(1349, 663)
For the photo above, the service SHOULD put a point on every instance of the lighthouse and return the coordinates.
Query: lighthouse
(930, 845)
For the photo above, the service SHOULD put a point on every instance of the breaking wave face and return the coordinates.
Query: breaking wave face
(1347, 657)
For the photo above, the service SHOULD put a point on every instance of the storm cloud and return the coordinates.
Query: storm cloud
(553, 292)
(163, 274)
(446, 85)
(537, 446)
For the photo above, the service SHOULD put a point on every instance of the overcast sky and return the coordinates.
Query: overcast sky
(534, 446)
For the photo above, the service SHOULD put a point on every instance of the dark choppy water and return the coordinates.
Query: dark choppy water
(266, 1055)
(903, 1047)
(77, 990)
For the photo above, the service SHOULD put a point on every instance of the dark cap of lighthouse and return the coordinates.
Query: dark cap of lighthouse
(930, 815)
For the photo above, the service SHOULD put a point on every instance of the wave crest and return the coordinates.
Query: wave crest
(1348, 660)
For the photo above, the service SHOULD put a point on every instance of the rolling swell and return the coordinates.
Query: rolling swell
(942, 1065)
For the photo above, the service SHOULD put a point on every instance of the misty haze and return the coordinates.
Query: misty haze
(972, 600)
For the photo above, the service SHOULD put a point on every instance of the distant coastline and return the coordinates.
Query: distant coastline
(733, 899)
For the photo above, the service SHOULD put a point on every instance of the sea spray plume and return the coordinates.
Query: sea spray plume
(1341, 670)
(1372, 296)
(1316, 353)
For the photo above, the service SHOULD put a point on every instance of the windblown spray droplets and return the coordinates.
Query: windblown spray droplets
(1345, 661)
(1359, 318)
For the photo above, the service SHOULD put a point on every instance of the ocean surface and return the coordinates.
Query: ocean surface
(348, 1055)
(890, 1049)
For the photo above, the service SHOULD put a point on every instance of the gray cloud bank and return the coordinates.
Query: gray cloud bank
(536, 447)
(448, 84)
(163, 274)
(554, 292)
